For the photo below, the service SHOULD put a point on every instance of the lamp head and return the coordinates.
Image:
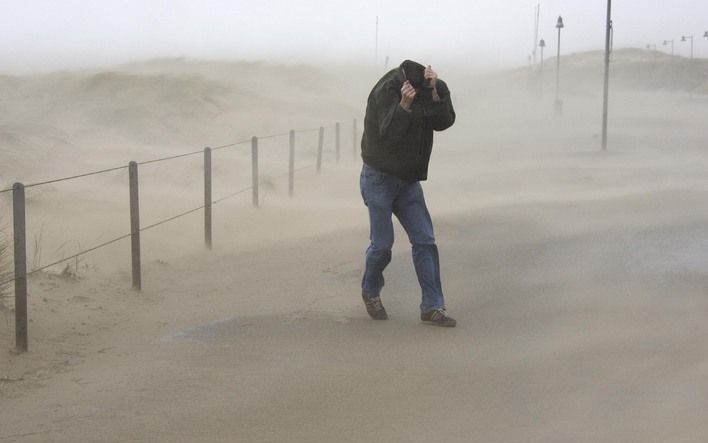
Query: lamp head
(542, 43)
(559, 23)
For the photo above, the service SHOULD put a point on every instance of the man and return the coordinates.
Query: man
(403, 110)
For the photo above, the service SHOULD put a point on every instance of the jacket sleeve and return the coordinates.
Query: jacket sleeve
(393, 120)
(443, 112)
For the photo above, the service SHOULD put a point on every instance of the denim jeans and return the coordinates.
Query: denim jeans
(384, 195)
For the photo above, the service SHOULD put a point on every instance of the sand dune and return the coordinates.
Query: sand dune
(577, 276)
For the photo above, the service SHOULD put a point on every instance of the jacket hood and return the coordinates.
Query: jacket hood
(414, 72)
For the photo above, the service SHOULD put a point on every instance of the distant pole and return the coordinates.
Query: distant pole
(254, 170)
(207, 197)
(535, 36)
(666, 42)
(291, 165)
(376, 48)
(608, 30)
(336, 141)
(558, 102)
(686, 37)
(541, 44)
(652, 47)
(320, 146)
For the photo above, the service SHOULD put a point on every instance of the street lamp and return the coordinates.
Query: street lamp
(558, 102)
(706, 34)
(542, 44)
(684, 38)
(666, 42)
(653, 54)
(609, 35)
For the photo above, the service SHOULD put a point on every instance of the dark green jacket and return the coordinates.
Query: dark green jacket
(397, 141)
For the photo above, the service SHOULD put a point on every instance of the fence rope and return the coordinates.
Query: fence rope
(145, 228)
(242, 142)
(70, 178)
(170, 158)
(167, 220)
(282, 134)
(231, 195)
(117, 168)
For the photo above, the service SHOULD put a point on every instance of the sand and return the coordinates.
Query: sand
(577, 276)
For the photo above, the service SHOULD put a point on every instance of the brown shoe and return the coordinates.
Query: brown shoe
(374, 307)
(438, 317)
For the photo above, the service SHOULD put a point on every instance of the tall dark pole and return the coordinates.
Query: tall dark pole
(686, 37)
(608, 31)
(541, 44)
(535, 35)
(666, 42)
(558, 102)
(376, 50)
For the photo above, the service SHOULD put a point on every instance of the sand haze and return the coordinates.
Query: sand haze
(577, 276)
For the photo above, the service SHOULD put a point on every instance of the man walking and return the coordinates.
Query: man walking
(403, 109)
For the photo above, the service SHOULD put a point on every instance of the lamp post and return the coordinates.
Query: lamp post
(376, 44)
(541, 44)
(608, 38)
(666, 42)
(537, 14)
(651, 47)
(558, 102)
(686, 37)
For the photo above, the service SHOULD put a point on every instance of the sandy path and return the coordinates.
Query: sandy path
(555, 342)
(578, 280)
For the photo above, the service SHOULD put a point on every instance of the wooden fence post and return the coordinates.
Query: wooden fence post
(337, 145)
(254, 169)
(20, 235)
(207, 197)
(291, 165)
(319, 149)
(135, 224)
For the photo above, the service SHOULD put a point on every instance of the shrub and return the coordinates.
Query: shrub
(6, 272)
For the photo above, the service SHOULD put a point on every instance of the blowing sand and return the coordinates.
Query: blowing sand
(577, 276)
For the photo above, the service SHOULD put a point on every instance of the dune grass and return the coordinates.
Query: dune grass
(5, 271)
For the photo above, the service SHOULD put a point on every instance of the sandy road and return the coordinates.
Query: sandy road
(556, 342)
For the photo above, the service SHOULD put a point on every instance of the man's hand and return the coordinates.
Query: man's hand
(431, 77)
(407, 95)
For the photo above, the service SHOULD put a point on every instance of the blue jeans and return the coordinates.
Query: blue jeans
(384, 195)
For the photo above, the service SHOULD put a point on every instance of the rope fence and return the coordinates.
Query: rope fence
(19, 217)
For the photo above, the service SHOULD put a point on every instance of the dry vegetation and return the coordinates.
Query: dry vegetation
(5, 272)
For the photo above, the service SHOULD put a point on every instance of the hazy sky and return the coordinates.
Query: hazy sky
(57, 34)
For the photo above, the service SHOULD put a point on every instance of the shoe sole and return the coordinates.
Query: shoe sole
(442, 325)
